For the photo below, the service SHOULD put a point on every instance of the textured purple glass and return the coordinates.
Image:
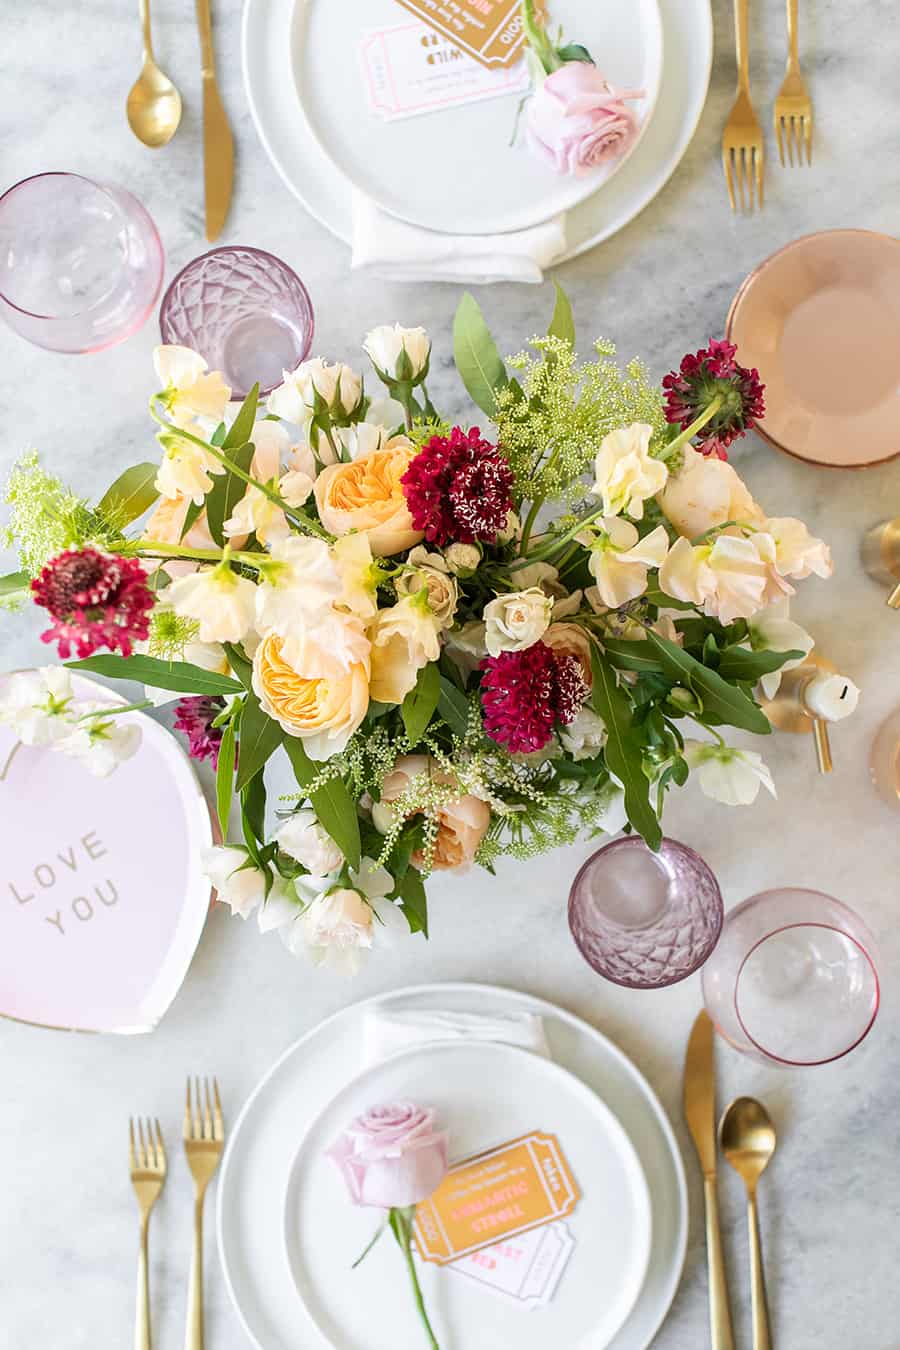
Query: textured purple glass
(81, 264)
(645, 919)
(244, 311)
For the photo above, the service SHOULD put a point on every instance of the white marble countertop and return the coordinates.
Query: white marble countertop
(832, 1199)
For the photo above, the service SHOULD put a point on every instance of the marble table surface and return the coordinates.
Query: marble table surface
(832, 1199)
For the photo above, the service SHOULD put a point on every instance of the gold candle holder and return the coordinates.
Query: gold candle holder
(788, 710)
(881, 557)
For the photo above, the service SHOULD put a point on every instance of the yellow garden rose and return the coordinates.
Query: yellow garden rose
(367, 495)
(323, 713)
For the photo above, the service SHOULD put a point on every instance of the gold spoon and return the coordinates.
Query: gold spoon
(747, 1137)
(154, 104)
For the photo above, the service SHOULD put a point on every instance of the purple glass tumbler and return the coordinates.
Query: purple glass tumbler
(244, 311)
(643, 919)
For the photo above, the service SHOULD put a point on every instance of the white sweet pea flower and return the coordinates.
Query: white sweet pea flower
(541, 574)
(327, 645)
(585, 736)
(359, 574)
(619, 559)
(295, 487)
(728, 579)
(361, 439)
(239, 884)
(704, 494)
(771, 630)
(626, 475)
(463, 559)
(298, 580)
(221, 601)
(101, 743)
(187, 389)
(185, 470)
(797, 552)
(37, 704)
(305, 840)
(312, 384)
(517, 620)
(728, 775)
(404, 639)
(257, 512)
(385, 346)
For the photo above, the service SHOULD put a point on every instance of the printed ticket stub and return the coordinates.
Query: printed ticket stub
(410, 69)
(526, 1268)
(491, 31)
(498, 1194)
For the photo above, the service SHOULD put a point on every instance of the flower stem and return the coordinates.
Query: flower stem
(554, 545)
(537, 36)
(103, 713)
(690, 432)
(12, 754)
(401, 1225)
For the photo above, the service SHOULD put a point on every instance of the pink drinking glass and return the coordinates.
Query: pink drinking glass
(81, 264)
(645, 919)
(794, 979)
(245, 311)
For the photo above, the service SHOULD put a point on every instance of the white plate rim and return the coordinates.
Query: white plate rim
(554, 1069)
(514, 997)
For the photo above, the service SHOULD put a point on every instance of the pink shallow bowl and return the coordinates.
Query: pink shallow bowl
(820, 320)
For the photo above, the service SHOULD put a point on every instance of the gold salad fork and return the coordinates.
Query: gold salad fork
(147, 1155)
(793, 106)
(742, 139)
(204, 1140)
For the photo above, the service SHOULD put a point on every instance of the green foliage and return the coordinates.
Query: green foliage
(226, 491)
(624, 748)
(415, 902)
(180, 676)
(477, 359)
(420, 703)
(562, 324)
(721, 702)
(260, 737)
(45, 518)
(130, 495)
(331, 801)
(225, 778)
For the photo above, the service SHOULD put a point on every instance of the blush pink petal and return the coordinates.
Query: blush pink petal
(576, 120)
(391, 1156)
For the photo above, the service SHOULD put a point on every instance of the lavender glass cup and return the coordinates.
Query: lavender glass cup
(645, 919)
(244, 311)
(81, 264)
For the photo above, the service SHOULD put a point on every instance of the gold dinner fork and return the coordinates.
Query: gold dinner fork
(204, 1140)
(793, 106)
(147, 1155)
(742, 139)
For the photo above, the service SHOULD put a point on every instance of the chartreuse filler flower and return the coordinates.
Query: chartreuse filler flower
(468, 640)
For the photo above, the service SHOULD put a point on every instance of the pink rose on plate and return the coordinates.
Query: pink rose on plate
(577, 121)
(392, 1156)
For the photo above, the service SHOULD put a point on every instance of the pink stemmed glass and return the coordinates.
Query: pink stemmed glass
(794, 979)
(645, 919)
(81, 264)
(244, 311)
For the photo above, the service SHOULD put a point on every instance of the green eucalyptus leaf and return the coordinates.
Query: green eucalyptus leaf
(14, 582)
(225, 778)
(453, 706)
(130, 495)
(478, 361)
(226, 491)
(419, 705)
(253, 818)
(562, 325)
(625, 655)
(624, 748)
(180, 676)
(654, 596)
(738, 663)
(261, 736)
(415, 901)
(240, 664)
(190, 515)
(241, 429)
(722, 702)
(332, 803)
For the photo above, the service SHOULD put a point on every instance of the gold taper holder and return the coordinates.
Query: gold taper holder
(881, 557)
(787, 711)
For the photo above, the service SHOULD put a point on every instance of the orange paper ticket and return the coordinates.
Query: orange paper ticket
(494, 1195)
(490, 30)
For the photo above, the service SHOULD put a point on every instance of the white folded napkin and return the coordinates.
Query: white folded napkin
(396, 251)
(385, 1032)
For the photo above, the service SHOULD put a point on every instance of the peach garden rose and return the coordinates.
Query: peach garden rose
(323, 713)
(367, 495)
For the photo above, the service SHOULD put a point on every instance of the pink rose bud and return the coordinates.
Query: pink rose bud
(392, 1156)
(577, 121)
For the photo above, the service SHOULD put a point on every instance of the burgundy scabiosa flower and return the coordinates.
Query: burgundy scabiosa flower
(194, 715)
(524, 694)
(708, 374)
(95, 600)
(458, 488)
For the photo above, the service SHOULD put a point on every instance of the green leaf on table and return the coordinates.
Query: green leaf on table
(130, 495)
(419, 705)
(739, 663)
(180, 676)
(241, 429)
(227, 490)
(722, 702)
(453, 706)
(624, 748)
(14, 582)
(478, 361)
(562, 325)
(260, 737)
(240, 664)
(332, 802)
(415, 901)
(225, 778)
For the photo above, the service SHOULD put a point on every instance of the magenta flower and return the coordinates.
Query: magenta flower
(525, 694)
(458, 488)
(194, 715)
(708, 374)
(95, 600)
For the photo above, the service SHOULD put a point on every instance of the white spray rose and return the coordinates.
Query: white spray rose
(312, 384)
(463, 559)
(433, 575)
(305, 840)
(385, 346)
(585, 736)
(516, 621)
(238, 883)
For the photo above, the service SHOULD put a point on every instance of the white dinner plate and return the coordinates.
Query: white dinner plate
(485, 1094)
(263, 1146)
(455, 169)
(308, 172)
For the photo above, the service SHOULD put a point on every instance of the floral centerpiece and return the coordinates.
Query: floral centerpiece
(469, 640)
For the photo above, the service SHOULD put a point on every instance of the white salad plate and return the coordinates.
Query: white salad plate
(258, 1202)
(484, 1095)
(455, 169)
(268, 64)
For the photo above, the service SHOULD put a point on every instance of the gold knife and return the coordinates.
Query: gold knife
(700, 1114)
(218, 145)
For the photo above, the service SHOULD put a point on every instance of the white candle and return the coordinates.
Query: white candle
(830, 697)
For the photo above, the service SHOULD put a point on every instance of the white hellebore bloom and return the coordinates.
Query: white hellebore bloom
(516, 621)
(625, 474)
(185, 470)
(37, 704)
(315, 382)
(305, 840)
(340, 926)
(705, 493)
(728, 579)
(585, 736)
(101, 743)
(386, 345)
(222, 602)
(619, 559)
(728, 775)
(189, 387)
(298, 580)
(772, 631)
(238, 883)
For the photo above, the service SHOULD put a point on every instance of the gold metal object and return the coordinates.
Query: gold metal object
(747, 1136)
(147, 1158)
(204, 1140)
(700, 1114)
(742, 140)
(793, 106)
(881, 557)
(787, 711)
(153, 107)
(218, 144)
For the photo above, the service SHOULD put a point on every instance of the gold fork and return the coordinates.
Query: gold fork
(147, 1155)
(742, 139)
(204, 1140)
(793, 106)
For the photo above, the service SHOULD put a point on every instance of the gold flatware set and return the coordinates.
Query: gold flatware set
(746, 1136)
(204, 1141)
